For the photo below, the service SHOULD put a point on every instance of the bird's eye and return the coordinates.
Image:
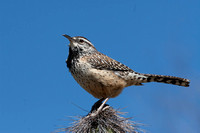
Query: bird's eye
(81, 40)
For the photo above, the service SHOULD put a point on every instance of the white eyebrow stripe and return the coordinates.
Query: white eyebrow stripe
(84, 39)
(87, 41)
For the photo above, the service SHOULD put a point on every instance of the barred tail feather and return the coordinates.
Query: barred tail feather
(167, 79)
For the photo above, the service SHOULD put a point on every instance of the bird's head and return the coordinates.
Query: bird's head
(80, 44)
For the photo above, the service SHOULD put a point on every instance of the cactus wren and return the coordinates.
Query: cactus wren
(104, 77)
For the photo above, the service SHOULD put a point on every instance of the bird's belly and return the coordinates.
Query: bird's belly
(99, 83)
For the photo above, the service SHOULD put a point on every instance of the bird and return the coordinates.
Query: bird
(104, 77)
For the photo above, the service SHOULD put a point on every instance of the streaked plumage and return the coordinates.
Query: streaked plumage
(104, 77)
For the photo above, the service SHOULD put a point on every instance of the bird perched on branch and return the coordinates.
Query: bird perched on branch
(104, 77)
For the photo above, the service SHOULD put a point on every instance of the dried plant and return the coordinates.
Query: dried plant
(108, 120)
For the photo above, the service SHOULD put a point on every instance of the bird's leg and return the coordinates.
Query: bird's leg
(96, 105)
(102, 105)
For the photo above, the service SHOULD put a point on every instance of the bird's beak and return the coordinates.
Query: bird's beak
(68, 37)
(72, 43)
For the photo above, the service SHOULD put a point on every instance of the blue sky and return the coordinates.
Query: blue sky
(37, 92)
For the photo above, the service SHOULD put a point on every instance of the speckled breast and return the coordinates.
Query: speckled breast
(99, 83)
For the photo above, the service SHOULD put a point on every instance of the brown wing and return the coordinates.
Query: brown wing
(103, 62)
